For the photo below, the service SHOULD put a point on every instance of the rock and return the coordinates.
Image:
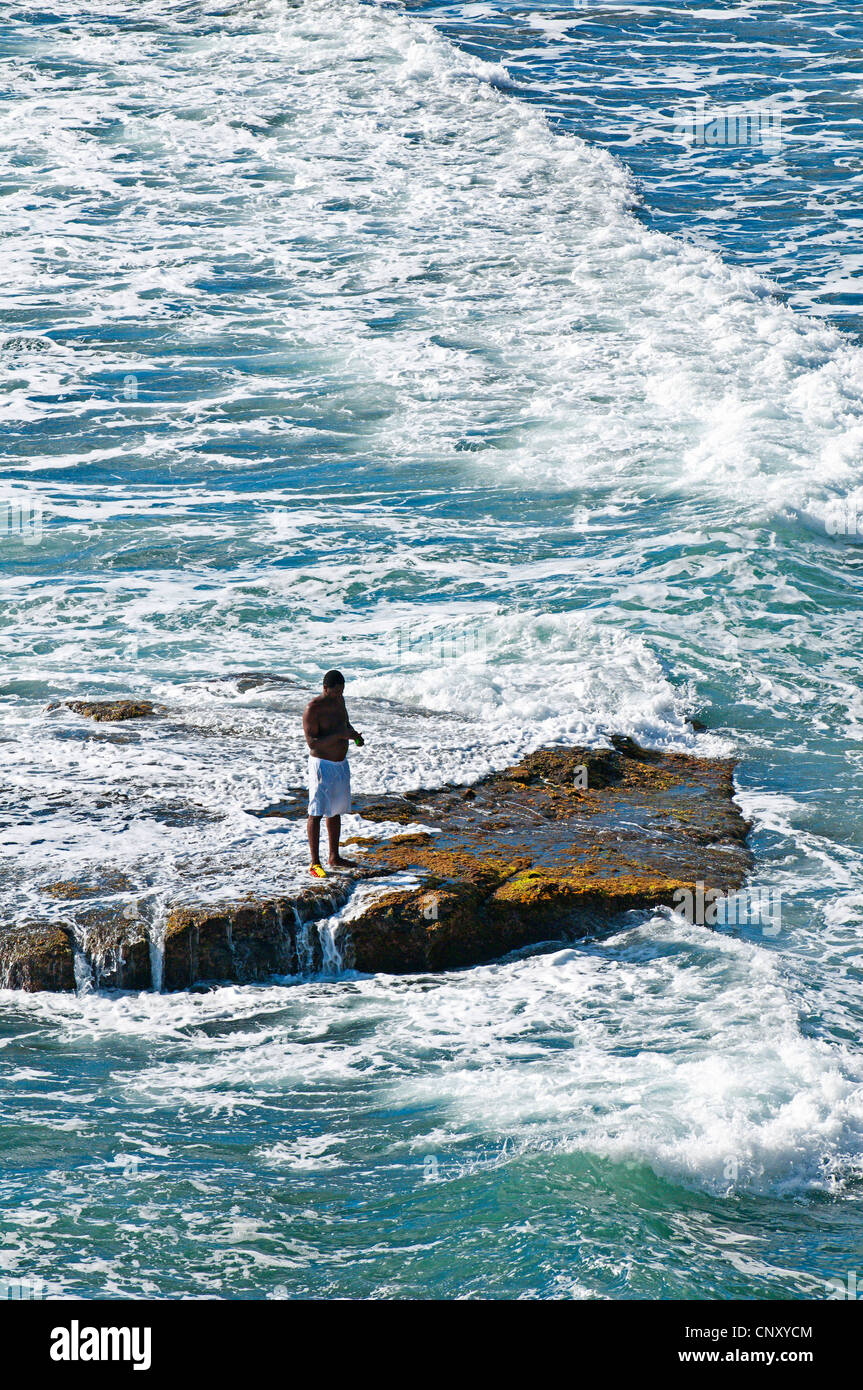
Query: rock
(553, 847)
(109, 881)
(37, 956)
(19, 343)
(630, 749)
(117, 947)
(249, 940)
(291, 807)
(537, 855)
(257, 680)
(114, 710)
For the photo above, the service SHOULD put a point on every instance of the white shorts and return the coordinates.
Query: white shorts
(329, 787)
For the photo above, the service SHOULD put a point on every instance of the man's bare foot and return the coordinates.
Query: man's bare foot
(317, 870)
(337, 862)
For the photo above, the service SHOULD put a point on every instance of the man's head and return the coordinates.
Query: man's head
(334, 682)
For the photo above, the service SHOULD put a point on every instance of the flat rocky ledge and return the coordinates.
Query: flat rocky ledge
(556, 847)
(113, 711)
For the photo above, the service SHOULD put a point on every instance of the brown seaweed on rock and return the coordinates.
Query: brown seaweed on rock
(114, 711)
(560, 843)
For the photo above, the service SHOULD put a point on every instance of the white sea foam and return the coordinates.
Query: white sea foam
(664, 1046)
(355, 280)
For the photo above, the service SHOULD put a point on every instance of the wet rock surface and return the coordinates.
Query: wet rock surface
(250, 940)
(114, 711)
(37, 956)
(555, 847)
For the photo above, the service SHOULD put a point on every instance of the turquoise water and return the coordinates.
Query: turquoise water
(393, 339)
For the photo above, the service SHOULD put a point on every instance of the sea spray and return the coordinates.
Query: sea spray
(332, 962)
(305, 945)
(152, 911)
(84, 981)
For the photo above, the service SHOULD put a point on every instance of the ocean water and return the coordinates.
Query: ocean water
(410, 339)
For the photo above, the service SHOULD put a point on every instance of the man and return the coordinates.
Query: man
(327, 730)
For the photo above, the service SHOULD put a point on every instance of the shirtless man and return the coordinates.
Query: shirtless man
(327, 730)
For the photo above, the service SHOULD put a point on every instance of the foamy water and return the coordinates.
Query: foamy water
(325, 349)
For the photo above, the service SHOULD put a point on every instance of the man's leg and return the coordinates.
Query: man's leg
(334, 830)
(314, 829)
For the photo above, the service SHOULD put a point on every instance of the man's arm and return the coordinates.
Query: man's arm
(352, 731)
